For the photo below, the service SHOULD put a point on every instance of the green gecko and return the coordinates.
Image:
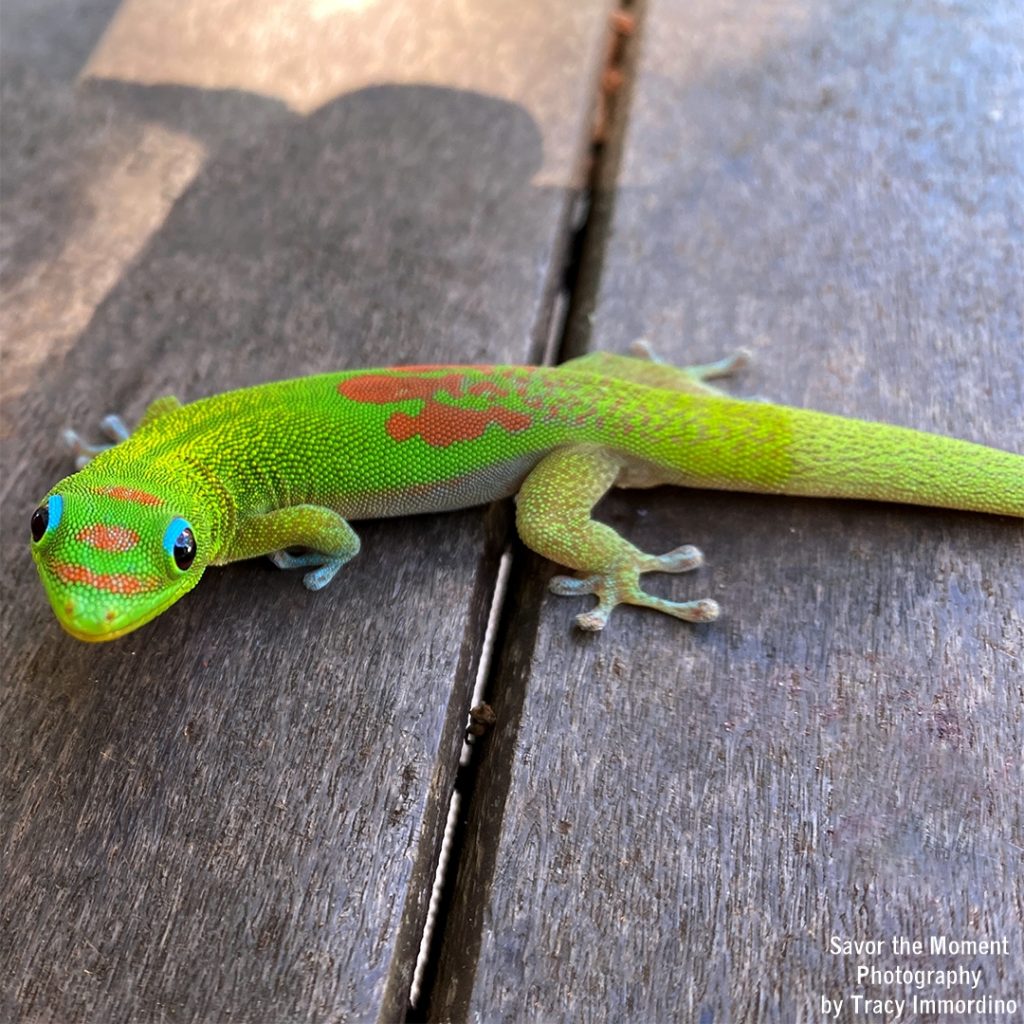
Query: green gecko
(280, 470)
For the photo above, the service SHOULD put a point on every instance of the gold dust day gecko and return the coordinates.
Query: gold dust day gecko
(280, 470)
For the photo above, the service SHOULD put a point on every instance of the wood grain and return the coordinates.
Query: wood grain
(234, 814)
(670, 823)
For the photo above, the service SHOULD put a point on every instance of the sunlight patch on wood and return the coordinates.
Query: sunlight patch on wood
(127, 200)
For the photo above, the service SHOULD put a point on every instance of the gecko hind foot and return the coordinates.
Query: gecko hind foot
(642, 349)
(623, 587)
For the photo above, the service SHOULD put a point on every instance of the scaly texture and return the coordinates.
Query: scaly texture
(271, 469)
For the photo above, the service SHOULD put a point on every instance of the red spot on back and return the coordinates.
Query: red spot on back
(438, 423)
(108, 538)
(441, 425)
(112, 582)
(382, 389)
(427, 367)
(128, 494)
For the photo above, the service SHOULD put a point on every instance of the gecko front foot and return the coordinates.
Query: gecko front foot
(622, 586)
(113, 426)
(299, 537)
(326, 566)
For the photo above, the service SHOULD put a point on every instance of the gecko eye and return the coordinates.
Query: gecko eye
(180, 543)
(46, 517)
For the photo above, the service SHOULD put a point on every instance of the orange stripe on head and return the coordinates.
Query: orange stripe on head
(112, 582)
(128, 494)
(108, 538)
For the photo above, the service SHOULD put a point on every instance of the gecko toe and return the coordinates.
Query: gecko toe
(682, 559)
(593, 621)
(115, 428)
(325, 566)
(319, 578)
(573, 586)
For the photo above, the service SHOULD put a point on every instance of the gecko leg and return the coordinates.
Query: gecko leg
(329, 538)
(690, 378)
(644, 367)
(116, 429)
(112, 426)
(726, 367)
(553, 518)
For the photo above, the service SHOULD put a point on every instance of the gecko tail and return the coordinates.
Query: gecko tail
(838, 457)
(732, 444)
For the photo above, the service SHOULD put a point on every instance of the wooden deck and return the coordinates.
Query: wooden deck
(236, 813)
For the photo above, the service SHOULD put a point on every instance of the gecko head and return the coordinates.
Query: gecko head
(112, 555)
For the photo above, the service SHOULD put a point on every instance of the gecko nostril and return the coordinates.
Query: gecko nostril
(69, 608)
(111, 615)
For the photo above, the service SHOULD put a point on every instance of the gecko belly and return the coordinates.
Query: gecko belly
(478, 487)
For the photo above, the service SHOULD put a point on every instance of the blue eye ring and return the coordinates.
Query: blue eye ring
(46, 518)
(180, 543)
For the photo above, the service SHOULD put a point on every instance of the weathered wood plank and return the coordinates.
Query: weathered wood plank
(686, 815)
(234, 813)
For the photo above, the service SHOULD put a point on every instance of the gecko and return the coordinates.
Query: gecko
(281, 469)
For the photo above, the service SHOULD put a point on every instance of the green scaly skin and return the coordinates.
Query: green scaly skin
(283, 467)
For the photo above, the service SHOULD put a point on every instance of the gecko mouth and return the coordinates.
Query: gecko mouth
(76, 601)
(97, 637)
(110, 626)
